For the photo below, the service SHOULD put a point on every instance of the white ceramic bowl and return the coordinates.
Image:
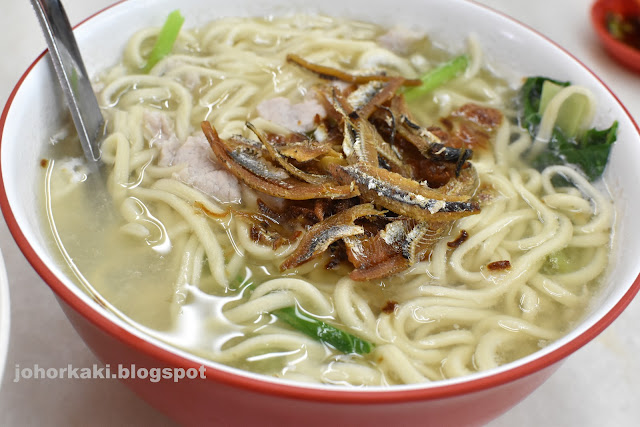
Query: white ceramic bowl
(232, 397)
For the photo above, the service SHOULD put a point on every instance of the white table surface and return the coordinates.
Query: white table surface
(597, 386)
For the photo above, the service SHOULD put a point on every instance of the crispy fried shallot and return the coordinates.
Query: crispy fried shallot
(470, 126)
(464, 235)
(499, 265)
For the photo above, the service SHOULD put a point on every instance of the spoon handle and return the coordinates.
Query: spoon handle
(72, 75)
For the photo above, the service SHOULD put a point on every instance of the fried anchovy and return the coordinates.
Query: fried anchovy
(435, 148)
(380, 97)
(311, 178)
(303, 151)
(390, 120)
(357, 147)
(421, 238)
(250, 160)
(364, 94)
(379, 147)
(466, 183)
(352, 144)
(330, 73)
(362, 142)
(432, 147)
(241, 140)
(394, 232)
(291, 189)
(367, 97)
(321, 235)
(319, 242)
(402, 195)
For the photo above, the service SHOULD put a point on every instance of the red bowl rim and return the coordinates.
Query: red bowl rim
(301, 392)
(622, 52)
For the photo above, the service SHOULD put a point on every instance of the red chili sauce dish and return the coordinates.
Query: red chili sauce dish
(617, 23)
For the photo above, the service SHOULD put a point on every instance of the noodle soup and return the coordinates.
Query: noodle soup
(176, 247)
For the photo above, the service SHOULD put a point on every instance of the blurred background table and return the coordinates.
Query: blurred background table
(597, 386)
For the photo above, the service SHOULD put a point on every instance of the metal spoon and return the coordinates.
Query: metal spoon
(72, 75)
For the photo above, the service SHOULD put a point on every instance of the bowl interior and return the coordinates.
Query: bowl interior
(509, 48)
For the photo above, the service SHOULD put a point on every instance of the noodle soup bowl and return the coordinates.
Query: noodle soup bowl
(222, 395)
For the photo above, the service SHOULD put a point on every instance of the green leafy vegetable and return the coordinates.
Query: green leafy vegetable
(589, 150)
(530, 101)
(592, 151)
(438, 76)
(166, 38)
(322, 331)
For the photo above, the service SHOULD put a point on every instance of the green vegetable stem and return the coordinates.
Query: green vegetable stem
(438, 76)
(322, 331)
(166, 38)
